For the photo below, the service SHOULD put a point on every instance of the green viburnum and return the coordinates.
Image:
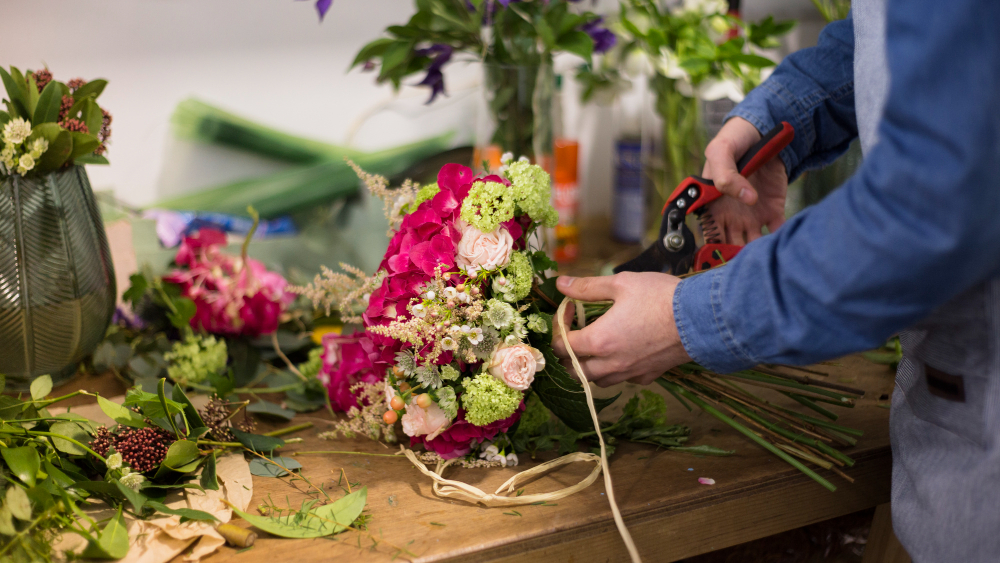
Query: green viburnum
(487, 399)
(532, 189)
(537, 324)
(311, 367)
(487, 205)
(423, 194)
(447, 401)
(449, 373)
(195, 358)
(520, 276)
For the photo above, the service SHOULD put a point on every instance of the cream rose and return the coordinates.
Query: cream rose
(419, 422)
(516, 365)
(484, 250)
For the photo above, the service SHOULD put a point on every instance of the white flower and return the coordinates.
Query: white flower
(705, 7)
(133, 481)
(465, 329)
(511, 459)
(418, 310)
(114, 461)
(39, 146)
(510, 340)
(506, 158)
(524, 159)
(366, 297)
(16, 131)
(450, 293)
(669, 65)
(475, 336)
(448, 343)
(472, 271)
(464, 297)
(712, 89)
(637, 64)
(430, 295)
(25, 163)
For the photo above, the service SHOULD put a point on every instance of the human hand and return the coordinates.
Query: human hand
(752, 203)
(636, 340)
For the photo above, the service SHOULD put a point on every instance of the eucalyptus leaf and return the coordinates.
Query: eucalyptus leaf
(6, 522)
(18, 503)
(257, 442)
(209, 481)
(323, 521)
(23, 462)
(69, 430)
(270, 468)
(181, 453)
(112, 542)
(41, 387)
(271, 410)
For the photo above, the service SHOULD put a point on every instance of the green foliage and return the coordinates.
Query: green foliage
(256, 442)
(311, 522)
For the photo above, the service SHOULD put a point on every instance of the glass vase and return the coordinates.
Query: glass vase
(515, 114)
(57, 282)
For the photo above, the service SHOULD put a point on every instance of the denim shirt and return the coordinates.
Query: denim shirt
(916, 225)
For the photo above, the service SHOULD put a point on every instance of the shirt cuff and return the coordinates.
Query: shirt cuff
(702, 329)
(767, 105)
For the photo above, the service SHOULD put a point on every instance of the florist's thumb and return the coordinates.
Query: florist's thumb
(587, 289)
(720, 167)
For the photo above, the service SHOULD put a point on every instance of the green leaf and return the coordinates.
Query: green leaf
(58, 477)
(18, 503)
(185, 513)
(395, 55)
(223, 383)
(323, 521)
(256, 442)
(41, 387)
(244, 360)
(83, 144)
(60, 146)
(180, 454)
(15, 93)
(755, 61)
(31, 95)
(150, 403)
(266, 468)
(120, 414)
(149, 365)
(562, 393)
(190, 413)
(545, 33)
(185, 312)
(137, 289)
(94, 87)
(209, 480)
(69, 430)
(3, 382)
(92, 117)
(113, 541)
(6, 522)
(578, 43)
(23, 462)
(135, 498)
(47, 109)
(374, 49)
(91, 159)
(271, 410)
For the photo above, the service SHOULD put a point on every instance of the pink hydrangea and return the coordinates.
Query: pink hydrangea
(231, 298)
(345, 363)
(459, 439)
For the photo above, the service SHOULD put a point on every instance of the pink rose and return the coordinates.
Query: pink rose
(516, 365)
(484, 250)
(419, 421)
(458, 439)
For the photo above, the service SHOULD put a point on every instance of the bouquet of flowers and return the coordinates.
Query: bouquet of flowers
(48, 124)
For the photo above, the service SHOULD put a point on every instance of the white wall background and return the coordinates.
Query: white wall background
(268, 60)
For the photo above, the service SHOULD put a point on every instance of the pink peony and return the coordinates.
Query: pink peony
(345, 363)
(424, 422)
(231, 298)
(459, 438)
(516, 365)
(484, 250)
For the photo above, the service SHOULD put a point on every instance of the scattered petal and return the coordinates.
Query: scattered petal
(706, 481)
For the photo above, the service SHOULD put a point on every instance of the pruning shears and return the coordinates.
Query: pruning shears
(674, 251)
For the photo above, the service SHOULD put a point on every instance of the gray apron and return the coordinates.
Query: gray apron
(945, 418)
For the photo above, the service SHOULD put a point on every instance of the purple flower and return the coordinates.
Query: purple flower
(604, 38)
(323, 6)
(440, 54)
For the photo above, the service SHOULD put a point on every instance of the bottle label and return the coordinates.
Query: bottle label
(629, 202)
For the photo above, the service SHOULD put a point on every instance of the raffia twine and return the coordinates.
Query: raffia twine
(450, 488)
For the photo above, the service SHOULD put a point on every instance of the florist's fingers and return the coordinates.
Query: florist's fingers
(753, 234)
(605, 372)
(587, 289)
(645, 379)
(721, 159)
(775, 224)
(734, 235)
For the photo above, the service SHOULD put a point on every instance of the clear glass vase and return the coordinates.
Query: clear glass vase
(515, 114)
(57, 283)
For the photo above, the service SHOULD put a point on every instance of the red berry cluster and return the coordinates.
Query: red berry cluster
(105, 132)
(42, 78)
(75, 84)
(74, 124)
(141, 448)
(64, 106)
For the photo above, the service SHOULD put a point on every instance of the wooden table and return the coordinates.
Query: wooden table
(670, 515)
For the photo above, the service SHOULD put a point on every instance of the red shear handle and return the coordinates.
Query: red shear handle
(766, 148)
(712, 255)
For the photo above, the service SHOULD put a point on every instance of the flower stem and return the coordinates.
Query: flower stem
(53, 435)
(289, 429)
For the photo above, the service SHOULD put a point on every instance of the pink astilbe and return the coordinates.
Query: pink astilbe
(233, 298)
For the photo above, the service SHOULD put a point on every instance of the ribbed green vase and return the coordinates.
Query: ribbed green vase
(57, 282)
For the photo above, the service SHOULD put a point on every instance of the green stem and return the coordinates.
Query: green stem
(289, 429)
(279, 389)
(219, 444)
(53, 435)
(348, 453)
(746, 432)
